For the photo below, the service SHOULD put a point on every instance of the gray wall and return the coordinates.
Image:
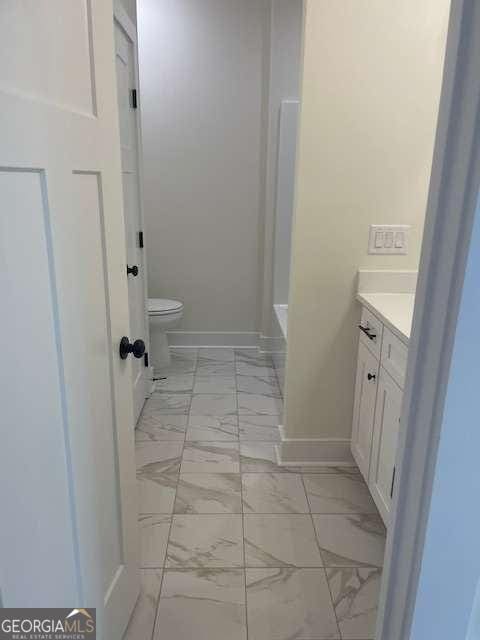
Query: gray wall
(202, 94)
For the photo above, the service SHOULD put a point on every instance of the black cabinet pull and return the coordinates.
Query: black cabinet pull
(132, 270)
(371, 376)
(367, 332)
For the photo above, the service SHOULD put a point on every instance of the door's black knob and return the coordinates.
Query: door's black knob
(132, 270)
(371, 376)
(137, 348)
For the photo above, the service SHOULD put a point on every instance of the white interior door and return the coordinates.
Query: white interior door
(125, 50)
(68, 536)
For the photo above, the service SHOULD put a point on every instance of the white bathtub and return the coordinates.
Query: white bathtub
(280, 325)
(281, 311)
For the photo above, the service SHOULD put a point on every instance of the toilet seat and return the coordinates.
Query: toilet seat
(163, 306)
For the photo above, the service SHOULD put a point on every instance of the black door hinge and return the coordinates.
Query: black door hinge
(140, 239)
(393, 482)
(133, 98)
(145, 358)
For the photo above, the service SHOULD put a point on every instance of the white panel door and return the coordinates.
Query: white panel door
(364, 408)
(68, 536)
(126, 81)
(384, 449)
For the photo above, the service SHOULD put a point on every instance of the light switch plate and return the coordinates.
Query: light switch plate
(389, 239)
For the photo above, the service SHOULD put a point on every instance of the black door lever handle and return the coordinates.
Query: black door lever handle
(137, 348)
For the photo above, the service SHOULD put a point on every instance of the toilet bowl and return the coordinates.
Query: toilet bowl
(163, 315)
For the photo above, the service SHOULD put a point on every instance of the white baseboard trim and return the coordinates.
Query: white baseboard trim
(149, 382)
(213, 339)
(321, 452)
(269, 344)
(285, 438)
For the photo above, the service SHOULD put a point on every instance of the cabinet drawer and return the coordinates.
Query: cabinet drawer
(371, 336)
(394, 357)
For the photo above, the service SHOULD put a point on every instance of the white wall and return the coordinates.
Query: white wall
(450, 572)
(369, 102)
(285, 196)
(202, 89)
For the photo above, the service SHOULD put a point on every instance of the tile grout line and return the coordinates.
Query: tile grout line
(259, 566)
(241, 497)
(323, 561)
(195, 369)
(253, 513)
(157, 599)
(164, 568)
(278, 384)
(157, 606)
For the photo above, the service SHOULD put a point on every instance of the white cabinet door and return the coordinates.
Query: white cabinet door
(382, 466)
(364, 408)
(68, 536)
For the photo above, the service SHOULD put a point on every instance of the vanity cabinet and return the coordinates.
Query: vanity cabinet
(364, 408)
(381, 476)
(381, 366)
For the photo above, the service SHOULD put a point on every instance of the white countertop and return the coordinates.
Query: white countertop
(394, 309)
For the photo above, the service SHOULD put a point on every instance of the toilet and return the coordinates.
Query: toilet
(163, 315)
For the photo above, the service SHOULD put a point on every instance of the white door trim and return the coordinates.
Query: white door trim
(123, 19)
(450, 212)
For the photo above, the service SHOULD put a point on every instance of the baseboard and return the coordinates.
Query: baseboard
(213, 339)
(321, 452)
(149, 381)
(269, 344)
(285, 438)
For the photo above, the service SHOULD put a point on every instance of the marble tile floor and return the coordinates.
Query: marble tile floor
(232, 545)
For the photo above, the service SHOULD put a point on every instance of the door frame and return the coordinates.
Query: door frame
(454, 189)
(125, 22)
